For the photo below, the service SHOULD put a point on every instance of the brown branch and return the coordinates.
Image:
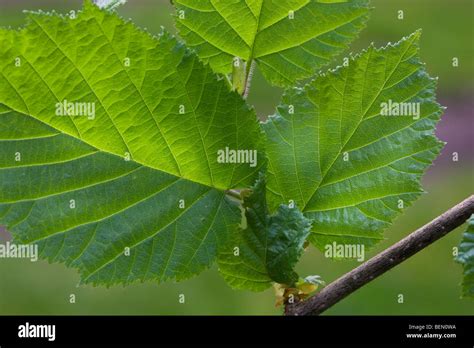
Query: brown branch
(386, 260)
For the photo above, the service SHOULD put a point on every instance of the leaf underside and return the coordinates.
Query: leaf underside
(466, 259)
(167, 110)
(66, 182)
(289, 39)
(143, 176)
(349, 168)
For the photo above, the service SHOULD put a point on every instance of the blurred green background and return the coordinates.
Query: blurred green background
(429, 281)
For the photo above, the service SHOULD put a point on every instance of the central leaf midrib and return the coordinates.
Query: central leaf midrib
(228, 23)
(252, 46)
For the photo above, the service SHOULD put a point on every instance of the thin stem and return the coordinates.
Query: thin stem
(234, 193)
(386, 260)
(248, 79)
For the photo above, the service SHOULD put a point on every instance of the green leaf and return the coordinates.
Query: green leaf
(466, 258)
(153, 99)
(349, 168)
(289, 39)
(67, 182)
(267, 248)
(84, 207)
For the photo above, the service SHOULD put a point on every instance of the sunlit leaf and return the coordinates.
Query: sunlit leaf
(332, 152)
